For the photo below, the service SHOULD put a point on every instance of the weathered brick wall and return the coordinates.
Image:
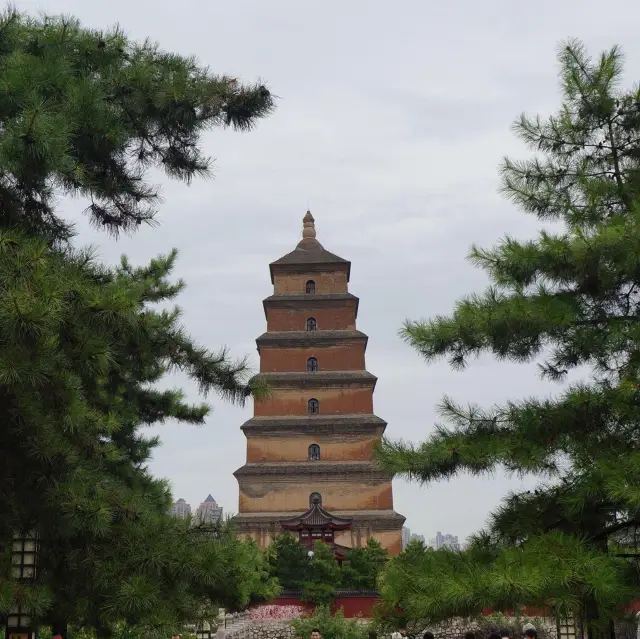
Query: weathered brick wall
(327, 282)
(292, 494)
(345, 357)
(327, 319)
(353, 447)
(333, 401)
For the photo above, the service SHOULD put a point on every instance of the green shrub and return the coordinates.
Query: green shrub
(330, 627)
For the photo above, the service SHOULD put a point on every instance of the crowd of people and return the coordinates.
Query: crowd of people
(528, 632)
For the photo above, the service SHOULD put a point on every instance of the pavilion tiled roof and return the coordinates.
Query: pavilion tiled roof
(316, 517)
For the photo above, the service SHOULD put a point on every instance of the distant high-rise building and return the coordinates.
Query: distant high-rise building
(419, 538)
(208, 511)
(444, 541)
(406, 537)
(181, 509)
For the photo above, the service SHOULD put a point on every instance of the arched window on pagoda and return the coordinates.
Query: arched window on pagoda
(313, 407)
(312, 325)
(310, 287)
(315, 498)
(312, 365)
(314, 452)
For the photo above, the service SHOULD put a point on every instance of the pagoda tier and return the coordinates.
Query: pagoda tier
(314, 436)
(334, 311)
(381, 525)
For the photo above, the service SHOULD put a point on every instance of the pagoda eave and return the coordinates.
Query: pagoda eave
(299, 301)
(321, 470)
(354, 424)
(383, 520)
(316, 518)
(319, 379)
(308, 338)
(321, 265)
(297, 527)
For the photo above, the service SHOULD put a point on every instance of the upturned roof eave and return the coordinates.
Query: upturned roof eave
(325, 520)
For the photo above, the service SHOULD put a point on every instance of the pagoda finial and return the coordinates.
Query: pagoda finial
(308, 227)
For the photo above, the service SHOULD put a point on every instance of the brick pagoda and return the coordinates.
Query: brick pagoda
(310, 444)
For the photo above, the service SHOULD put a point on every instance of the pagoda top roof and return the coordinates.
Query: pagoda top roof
(316, 517)
(309, 251)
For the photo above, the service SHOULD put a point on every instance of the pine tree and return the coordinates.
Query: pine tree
(89, 113)
(323, 576)
(86, 112)
(363, 566)
(288, 562)
(569, 298)
(80, 351)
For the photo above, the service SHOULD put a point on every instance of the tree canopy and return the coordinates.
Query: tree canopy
(568, 299)
(288, 561)
(87, 112)
(321, 577)
(364, 565)
(83, 345)
(81, 348)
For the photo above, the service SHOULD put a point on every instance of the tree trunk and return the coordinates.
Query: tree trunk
(595, 627)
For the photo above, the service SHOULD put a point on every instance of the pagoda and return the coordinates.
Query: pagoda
(309, 462)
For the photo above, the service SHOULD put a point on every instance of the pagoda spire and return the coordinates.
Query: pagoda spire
(308, 226)
(309, 241)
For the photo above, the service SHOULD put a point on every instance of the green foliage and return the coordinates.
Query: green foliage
(330, 627)
(364, 565)
(290, 565)
(119, 630)
(88, 112)
(288, 562)
(572, 298)
(81, 349)
(415, 547)
(323, 576)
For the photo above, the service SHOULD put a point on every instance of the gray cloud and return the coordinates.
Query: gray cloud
(392, 122)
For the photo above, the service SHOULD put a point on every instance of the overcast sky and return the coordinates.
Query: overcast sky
(392, 121)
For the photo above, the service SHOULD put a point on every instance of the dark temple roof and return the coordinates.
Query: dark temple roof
(316, 517)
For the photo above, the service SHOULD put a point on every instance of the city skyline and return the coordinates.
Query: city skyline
(208, 511)
(446, 540)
